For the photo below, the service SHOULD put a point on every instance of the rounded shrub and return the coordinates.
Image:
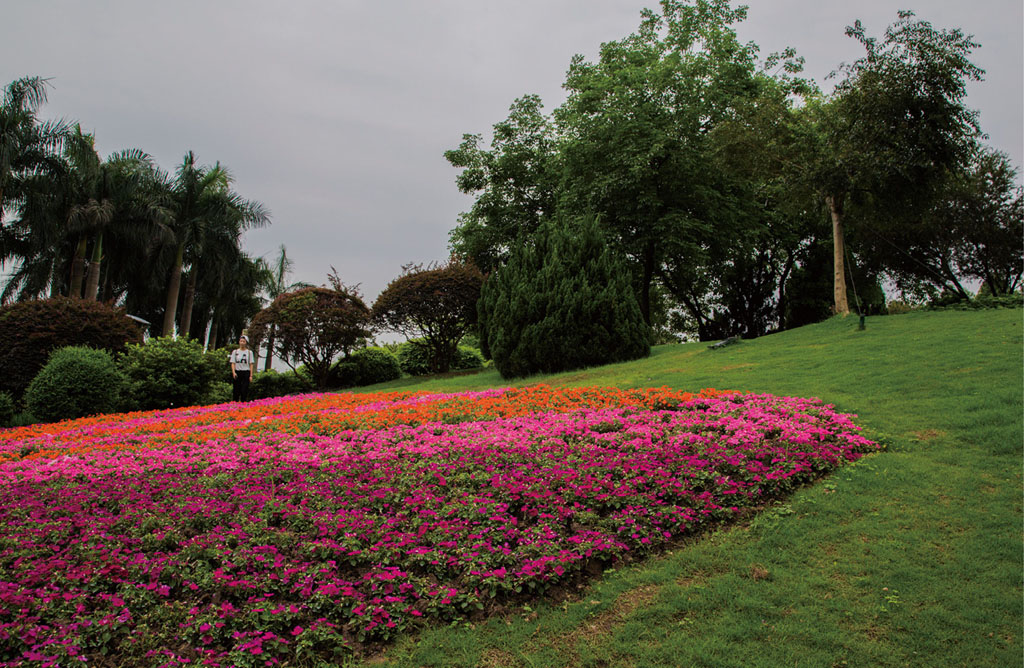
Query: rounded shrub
(30, 331)
(467, 358)
(166, 372)
(267, 384)
(414, 357)
(6, 409)
(366, 366)
(75, 382)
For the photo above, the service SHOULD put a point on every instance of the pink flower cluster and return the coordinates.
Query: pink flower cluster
(251, 546)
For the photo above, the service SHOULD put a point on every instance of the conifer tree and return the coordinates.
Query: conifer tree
(564, 301)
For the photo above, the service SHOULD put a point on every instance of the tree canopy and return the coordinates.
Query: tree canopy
(436, 303)
(313, 326)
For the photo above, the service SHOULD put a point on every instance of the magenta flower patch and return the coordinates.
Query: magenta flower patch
(252, 546)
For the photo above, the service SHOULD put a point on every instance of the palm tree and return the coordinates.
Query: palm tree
(274, 285)
(89, 203)
(202, 200)
(26, 146)
(29, 151)
(235, 299)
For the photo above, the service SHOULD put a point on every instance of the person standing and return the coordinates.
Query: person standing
(243, 365)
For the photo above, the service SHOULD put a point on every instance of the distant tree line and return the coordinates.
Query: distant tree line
(165, 246)
(742, 199)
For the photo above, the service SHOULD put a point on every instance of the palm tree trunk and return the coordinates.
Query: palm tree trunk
(190, 296)
(92, 279)
(835, 208)
(78, 269)
(54, 278)
(213, 334)
(173, 287)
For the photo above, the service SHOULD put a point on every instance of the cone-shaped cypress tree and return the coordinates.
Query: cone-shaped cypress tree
(563, 301)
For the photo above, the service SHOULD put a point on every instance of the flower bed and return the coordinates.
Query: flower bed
(259, 534)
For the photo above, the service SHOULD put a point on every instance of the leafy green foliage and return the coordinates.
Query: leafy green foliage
(216, 359)
(6, 409)
(75, 382)
(366, 366)
(30, 331)
(415, 358)
(515, 183)
(563, 301)
(437, 304)
(219, 392)
(273, 383)
(166, 372)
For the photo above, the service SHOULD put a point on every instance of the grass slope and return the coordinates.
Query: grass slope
(912, 557)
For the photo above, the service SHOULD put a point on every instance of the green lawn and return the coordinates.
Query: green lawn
(912, 557)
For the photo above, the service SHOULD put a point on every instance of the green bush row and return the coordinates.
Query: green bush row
(166, 372)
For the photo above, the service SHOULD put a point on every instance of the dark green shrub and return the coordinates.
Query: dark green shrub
(947, 302)
(366, 366)
(468, 357)
(75, 382)
(6, 409)
(564, 301)
(268, 384)
(166, 372)
(219, 392)
(219, 366)
(415, 357)
(30, 331)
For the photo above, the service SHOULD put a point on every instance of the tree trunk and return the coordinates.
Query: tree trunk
(270, 349)
(54, 279)
(92, 279)
(77, 269)
(173, 286)
(783, 297)
(212, 345)
(190, 296)
(835, 208)
(645, 283)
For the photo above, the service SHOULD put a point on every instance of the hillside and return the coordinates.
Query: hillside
(911, 557)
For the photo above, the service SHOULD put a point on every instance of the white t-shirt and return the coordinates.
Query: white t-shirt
(241, 359)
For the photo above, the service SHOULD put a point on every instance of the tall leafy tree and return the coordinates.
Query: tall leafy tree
(973, 231)
(515, 183)
(896, 124)
(636, 123)
(29, 151)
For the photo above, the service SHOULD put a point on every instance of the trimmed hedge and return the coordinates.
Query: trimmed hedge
(267, 384)
(30, 331)
(76, 381)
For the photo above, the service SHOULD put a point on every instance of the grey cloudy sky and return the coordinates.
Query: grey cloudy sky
(335, 113)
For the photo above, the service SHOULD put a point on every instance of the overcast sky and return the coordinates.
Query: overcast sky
(335, 113)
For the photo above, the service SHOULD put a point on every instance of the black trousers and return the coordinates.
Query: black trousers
(241, 389)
